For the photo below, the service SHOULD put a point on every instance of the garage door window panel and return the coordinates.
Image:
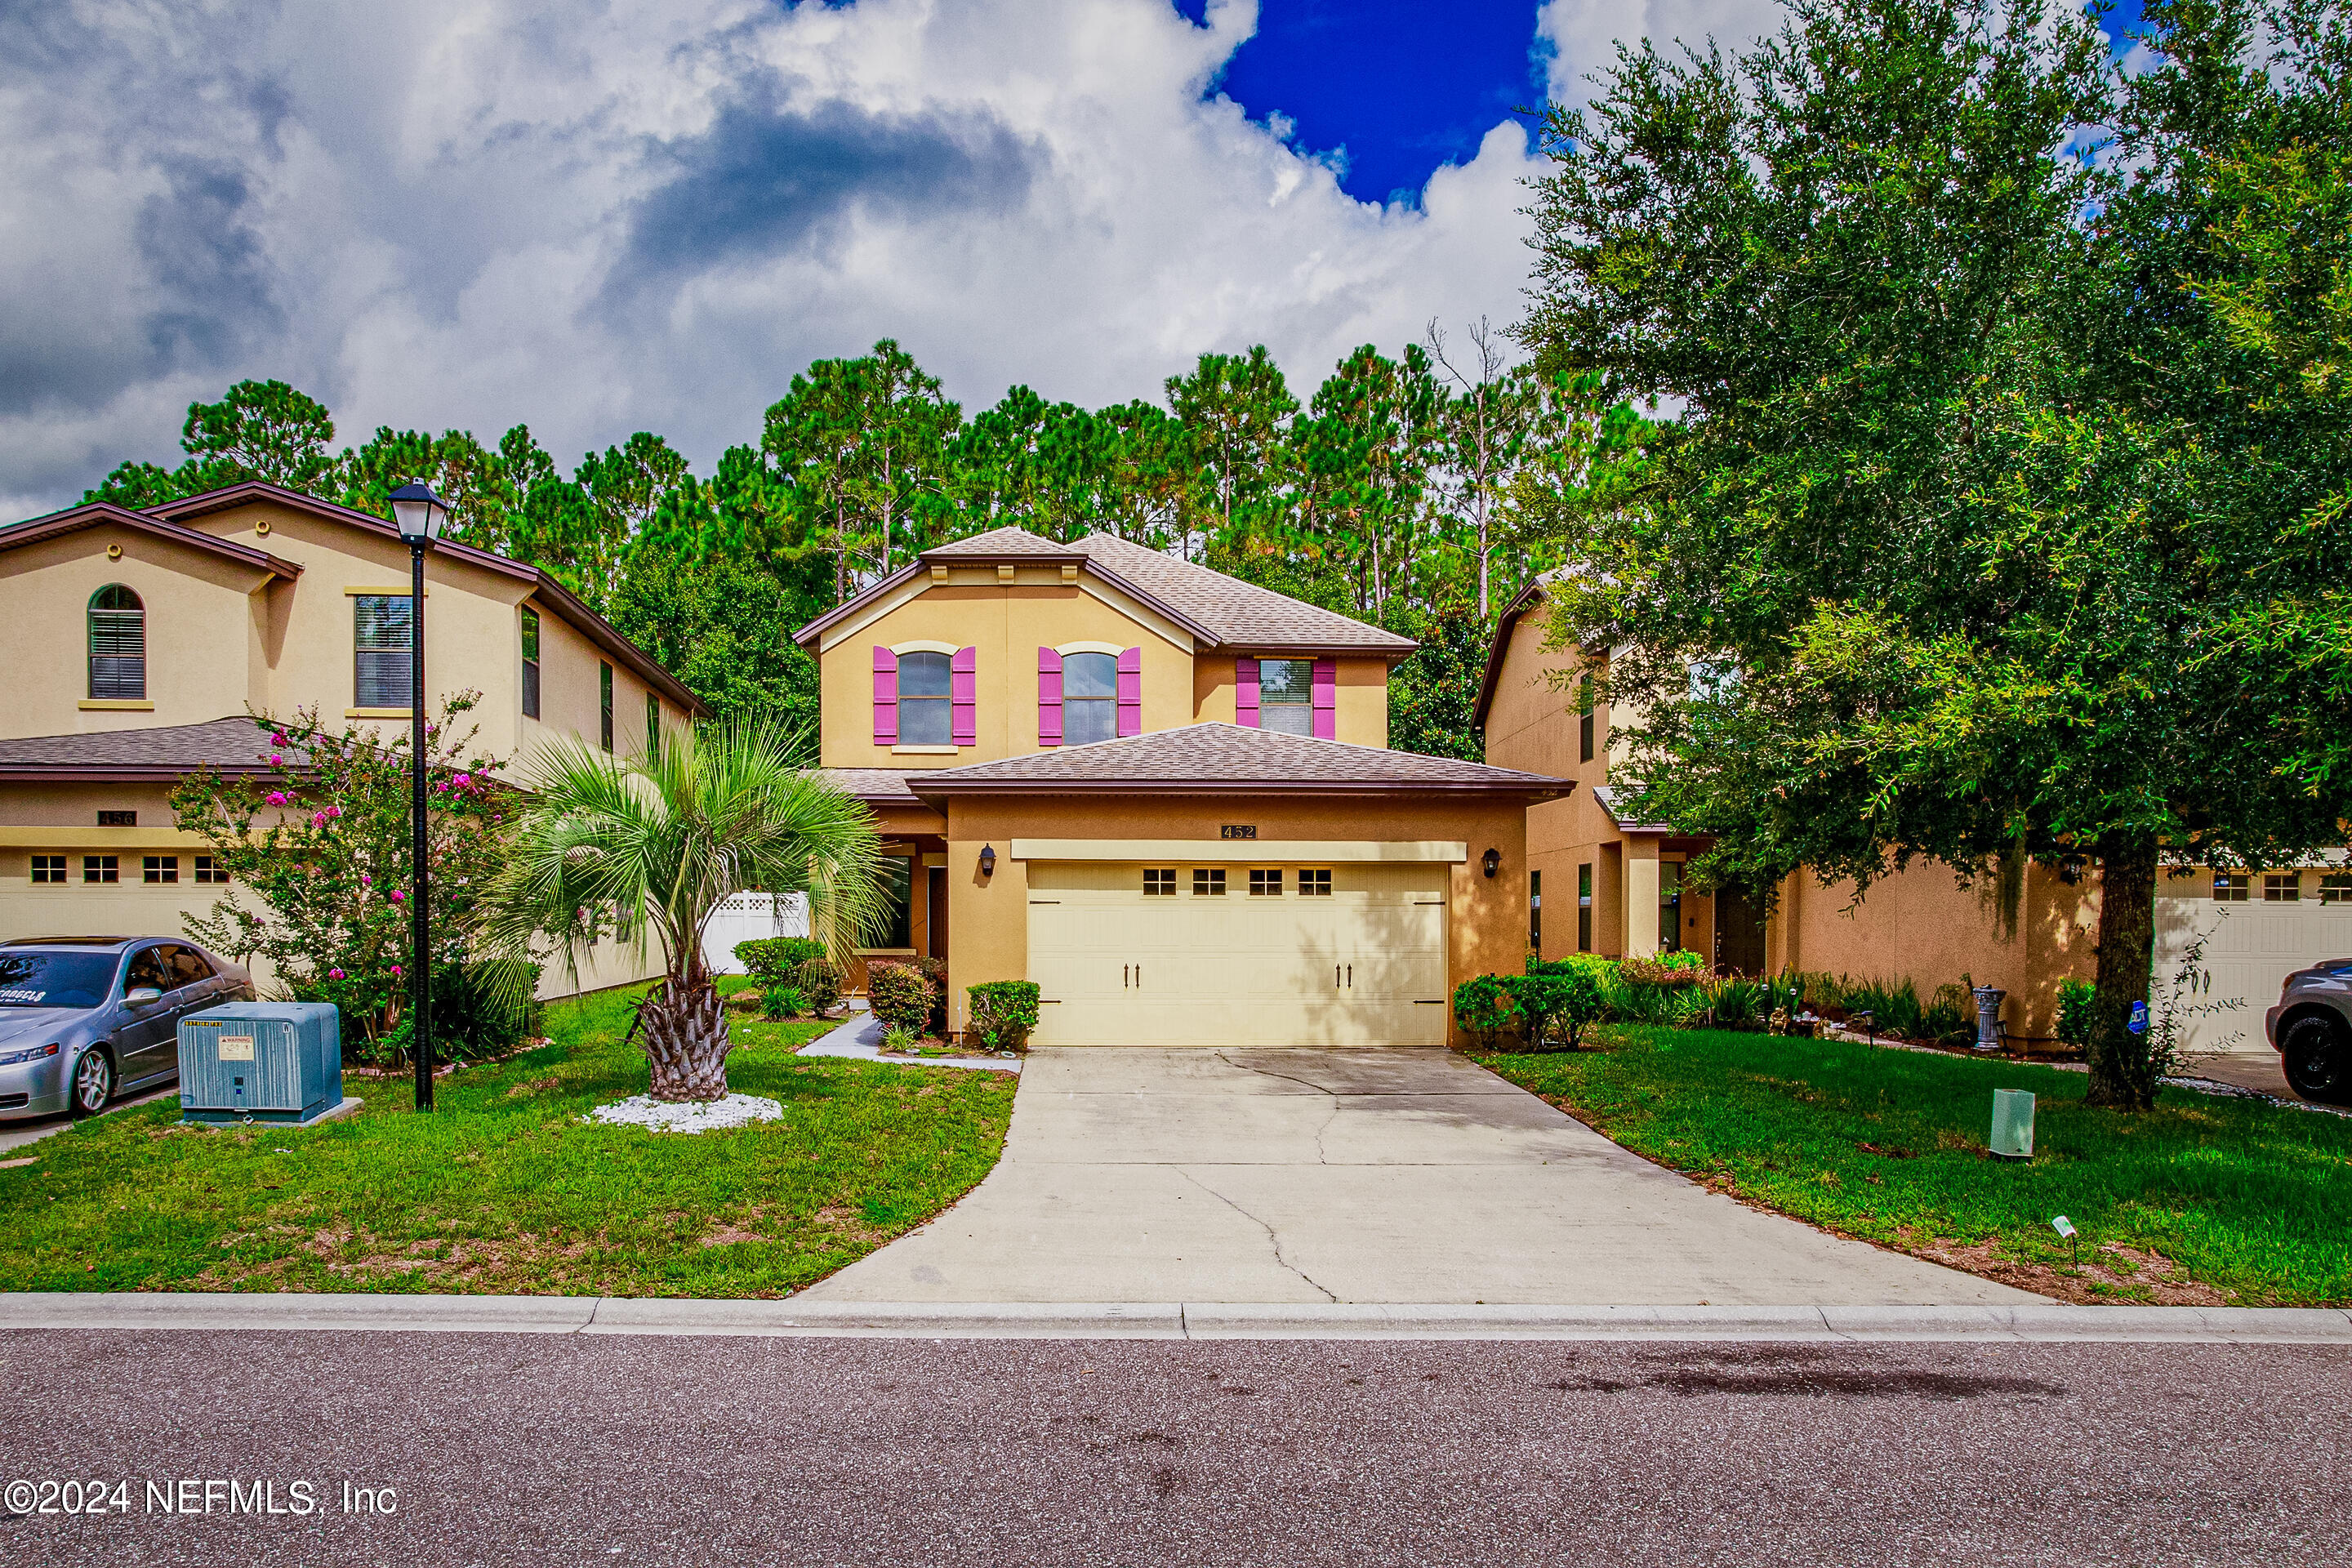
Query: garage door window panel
(1158, 882)
(1208, 882)
(2335, 888)
(1266, 884)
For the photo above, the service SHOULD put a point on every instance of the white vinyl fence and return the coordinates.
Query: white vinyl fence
(747, 917)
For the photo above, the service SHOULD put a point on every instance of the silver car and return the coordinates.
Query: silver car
(2311, 1028)
(85, 1017)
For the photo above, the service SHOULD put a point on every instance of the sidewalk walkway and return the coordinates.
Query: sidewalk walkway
(859, 1036)
(1351, 1177)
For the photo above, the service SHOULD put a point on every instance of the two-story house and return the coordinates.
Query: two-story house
(1166, 796)
(136, 643)
(1600, 880)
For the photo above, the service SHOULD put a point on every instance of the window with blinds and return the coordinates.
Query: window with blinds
(530, 662)
(380, 640)
(118, 646)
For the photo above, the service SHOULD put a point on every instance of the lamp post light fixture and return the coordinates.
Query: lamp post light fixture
(421, 515)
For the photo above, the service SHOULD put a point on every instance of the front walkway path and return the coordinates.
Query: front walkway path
(1349, 1175)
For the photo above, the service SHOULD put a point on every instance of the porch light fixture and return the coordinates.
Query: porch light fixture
(988, 860)
(420, 516)
(1492, 862)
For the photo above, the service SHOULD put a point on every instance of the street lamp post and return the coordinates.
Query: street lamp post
(420, 515)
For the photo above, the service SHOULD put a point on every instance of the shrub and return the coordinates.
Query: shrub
(934, 970)
(1567, 994)
(898, 1038)
(1735, 1000)
(782, 1002)
(819, 982)
(1485, 1007)
(2075, 999)
(1662, 968)
(1003, 1013)
(1894, 1007)
(899, 993)
(771, 959)
(1951, 1010)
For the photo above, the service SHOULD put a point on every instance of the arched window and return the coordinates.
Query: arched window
(1089, 697)
(118, 646)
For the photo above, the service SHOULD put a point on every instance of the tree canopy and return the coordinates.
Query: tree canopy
(2002, 516)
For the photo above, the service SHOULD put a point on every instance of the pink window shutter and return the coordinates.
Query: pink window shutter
(1326, 699)
(964, 695)
(1049, 698)
(1246, 692)
(1130, 693)
(886, 698)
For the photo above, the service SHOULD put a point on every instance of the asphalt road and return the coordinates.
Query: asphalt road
(554, 1449)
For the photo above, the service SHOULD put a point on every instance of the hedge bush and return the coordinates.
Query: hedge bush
(771, 959)
(899, 993)
(818, 982)
(1003, 1013)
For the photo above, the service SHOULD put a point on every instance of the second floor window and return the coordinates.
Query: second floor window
(924, 717)
(380, 642)
(530, 663)
(118, 646)
(1089, 697)
(1285, 695)
(604, 699)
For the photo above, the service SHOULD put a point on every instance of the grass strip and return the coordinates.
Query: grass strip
(2203, 1200)
(504, 1188)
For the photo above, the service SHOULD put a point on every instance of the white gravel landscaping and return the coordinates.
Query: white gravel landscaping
(703, 1116)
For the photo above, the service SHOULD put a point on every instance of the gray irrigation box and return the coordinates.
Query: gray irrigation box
(265, 1061)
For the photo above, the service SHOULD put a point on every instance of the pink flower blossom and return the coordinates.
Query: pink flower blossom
(334, 974)
(278, 797)
(397, 895)
(463, 780)
(395, 972)
(367, 881)
(275, 760)
(334, 810)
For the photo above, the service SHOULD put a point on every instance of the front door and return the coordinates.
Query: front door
(1738, 933)
(935, 912)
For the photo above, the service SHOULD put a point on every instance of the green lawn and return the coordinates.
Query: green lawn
(2202, 1200)
(505, 1189)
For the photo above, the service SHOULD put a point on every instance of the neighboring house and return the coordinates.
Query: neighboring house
(1601, 882)
(1166, 796)
(136, 642)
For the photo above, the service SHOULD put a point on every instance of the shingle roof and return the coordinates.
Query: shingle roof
(1000, 541)
(1240, 615)
(1223, 612)
(92, 514)
(230, 746)
(1224, 759)
(875, 786)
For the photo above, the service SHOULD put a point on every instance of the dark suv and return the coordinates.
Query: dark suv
(2311, 1028)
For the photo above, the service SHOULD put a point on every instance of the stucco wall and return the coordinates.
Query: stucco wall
(1361, 699)
(1919, 924)
(204, 626)
(1006, 624)
(1485, 919)
(1531, 721)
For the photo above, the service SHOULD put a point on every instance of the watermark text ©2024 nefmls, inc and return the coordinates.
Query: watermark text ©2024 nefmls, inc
(262, 1497)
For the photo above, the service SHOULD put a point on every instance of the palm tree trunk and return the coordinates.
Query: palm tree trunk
(685, 1042)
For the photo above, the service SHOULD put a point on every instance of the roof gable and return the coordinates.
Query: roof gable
(95, 514)
(1220, 611)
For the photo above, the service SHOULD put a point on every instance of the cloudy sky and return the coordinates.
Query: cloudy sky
(648, 214)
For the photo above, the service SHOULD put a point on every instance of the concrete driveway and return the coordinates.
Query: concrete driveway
(1349, 1175)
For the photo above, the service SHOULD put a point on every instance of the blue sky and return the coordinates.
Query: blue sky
(1402, 85)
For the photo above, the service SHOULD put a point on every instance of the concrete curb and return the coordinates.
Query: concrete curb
(116, 1311)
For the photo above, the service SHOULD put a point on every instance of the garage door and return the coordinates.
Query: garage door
(1156, 955)
(2250, 950)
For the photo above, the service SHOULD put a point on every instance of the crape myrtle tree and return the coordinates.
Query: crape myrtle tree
(2003, 519)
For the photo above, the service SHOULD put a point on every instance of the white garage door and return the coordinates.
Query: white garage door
(1118, 962)
(2250, 950)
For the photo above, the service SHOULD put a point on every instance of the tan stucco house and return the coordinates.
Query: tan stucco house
(136, 642)
(1602, 881)
(1166, 796)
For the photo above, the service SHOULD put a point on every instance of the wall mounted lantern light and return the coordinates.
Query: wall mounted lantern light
(988, 860)
(1491, 861)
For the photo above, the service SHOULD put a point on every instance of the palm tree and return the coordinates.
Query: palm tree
(648, 847)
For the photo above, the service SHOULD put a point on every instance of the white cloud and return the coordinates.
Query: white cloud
(1585, 34)
(649, 214)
